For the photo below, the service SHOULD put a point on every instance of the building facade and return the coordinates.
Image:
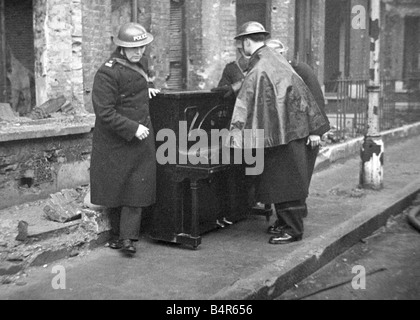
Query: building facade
(54, 47)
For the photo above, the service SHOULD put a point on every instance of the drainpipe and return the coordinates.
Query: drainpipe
(134, 10)
(372, 153)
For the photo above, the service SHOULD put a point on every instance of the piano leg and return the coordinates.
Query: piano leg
(195, 234)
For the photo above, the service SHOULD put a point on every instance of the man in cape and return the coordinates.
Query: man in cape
(311, 80)
(273, 98)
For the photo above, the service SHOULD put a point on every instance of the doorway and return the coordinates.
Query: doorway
(337, 41)
(17, 61)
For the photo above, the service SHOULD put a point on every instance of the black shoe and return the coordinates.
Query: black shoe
(275, 229)
(285, 238)
(115, 244)
(128, 247)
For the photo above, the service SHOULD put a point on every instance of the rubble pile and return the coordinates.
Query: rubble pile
(78, 226)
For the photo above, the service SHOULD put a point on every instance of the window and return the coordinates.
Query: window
(412, 48)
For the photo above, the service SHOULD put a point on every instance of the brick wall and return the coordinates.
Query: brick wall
(283, 23)
(97, 46)
(78, 40)
(32, 169)
(159, 49)
(193, 28)
(58, 35)
(217, 43)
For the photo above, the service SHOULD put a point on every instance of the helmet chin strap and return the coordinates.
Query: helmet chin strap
(122, 51)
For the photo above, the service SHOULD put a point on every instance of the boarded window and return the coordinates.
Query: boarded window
(176, 53)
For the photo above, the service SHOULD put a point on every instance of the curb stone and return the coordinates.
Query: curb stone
(280, 276)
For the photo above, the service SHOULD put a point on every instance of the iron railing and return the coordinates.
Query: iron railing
(400, 103)
(347, 102)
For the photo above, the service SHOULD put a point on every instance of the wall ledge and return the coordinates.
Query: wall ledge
(45, 128)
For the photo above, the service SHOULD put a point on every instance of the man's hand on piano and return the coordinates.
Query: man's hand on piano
(142, 132)
(227, 90)
(153, 92)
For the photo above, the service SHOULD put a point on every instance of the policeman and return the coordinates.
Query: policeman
(274, 100)
(123, 163)
(233, 74)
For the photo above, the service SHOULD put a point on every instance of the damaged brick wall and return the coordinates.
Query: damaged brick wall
(33, 169)
(58, 34)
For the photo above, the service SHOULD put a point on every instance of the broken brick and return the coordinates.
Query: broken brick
(22, 231)
(63, 207)
(96, 221)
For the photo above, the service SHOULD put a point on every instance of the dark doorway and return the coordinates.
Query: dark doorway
(17, 55)
(337, 41)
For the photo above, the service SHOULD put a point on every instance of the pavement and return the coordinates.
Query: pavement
(238, 263)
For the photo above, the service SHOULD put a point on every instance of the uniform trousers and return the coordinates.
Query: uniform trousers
(290, 216)
(125, 223)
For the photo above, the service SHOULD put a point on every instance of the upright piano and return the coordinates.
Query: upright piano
(195, 198)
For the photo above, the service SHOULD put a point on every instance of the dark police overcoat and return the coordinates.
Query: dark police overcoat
(123, 168)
